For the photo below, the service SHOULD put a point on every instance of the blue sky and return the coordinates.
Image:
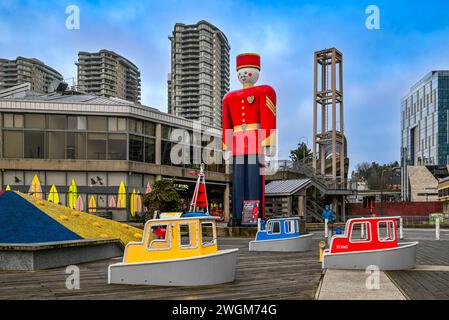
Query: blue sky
(380, 65)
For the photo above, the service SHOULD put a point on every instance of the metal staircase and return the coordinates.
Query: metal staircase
(313, 209)
(322, 182)
(325, 184)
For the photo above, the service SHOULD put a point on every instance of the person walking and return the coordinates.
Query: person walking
(330, 216)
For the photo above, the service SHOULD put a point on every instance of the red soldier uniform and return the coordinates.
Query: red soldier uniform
(249, 128)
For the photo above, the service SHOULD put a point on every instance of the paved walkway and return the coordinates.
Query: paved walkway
(428, 280)
(357, 285)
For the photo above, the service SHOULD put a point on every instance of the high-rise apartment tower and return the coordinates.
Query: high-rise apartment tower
(24, 70)
(105, 73)
(199, 75)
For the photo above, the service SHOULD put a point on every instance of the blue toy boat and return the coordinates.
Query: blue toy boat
(281, 235)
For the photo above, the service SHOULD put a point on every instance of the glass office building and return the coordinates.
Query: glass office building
(100, 142)
(424, 125)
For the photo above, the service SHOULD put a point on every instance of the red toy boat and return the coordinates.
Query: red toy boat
(370, 242)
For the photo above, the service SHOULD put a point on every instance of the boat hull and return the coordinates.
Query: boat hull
(401, 258)
(196, 271)
(298, 244)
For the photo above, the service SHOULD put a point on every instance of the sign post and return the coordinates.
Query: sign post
(250, 214)
(437, 228)
(326, 229)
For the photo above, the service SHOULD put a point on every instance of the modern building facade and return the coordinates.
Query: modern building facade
(24, 70)
(199, 75)
(443, 194)
(107, 74)
(424, 127)
(100, 142)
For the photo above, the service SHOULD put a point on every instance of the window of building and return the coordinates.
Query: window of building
(135, 148)
(96, 146)
(56, 122)
(12, 120)
(76, 145)
(12, 144)
(8, 120)
(132, 125)
(116, 124)
(150, 150)
(56, 145)
(121, 124)
(166, 132)
(34, 144)
(117, 147)
(77, 122)
(139, 126)
(34, 121)
(150, 129)
(112, 124)
(95, 123)
(135, 126)
(166, 150)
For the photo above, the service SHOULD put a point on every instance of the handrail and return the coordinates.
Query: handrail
(303, 167)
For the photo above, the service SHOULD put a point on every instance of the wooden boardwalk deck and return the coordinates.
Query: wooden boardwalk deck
(258, 276)
(426, 285)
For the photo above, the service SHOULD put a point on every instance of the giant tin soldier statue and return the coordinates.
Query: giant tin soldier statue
(249, 134)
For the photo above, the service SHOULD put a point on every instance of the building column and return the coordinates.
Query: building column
(158, 146)
(301, 206)
(335, 207)
(343, 209)
(290, 206)
(226, 202)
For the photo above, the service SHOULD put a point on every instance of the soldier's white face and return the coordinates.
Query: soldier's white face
(248, 75)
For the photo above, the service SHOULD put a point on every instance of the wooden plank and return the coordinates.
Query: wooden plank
(258, 276)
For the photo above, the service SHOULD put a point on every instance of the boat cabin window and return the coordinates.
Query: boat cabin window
(386, 231)
(360, 232)
(186, 236)
(207, 234)
(158, 237)
(290, 226)
(274, 227)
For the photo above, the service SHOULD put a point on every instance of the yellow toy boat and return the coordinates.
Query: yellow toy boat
(176, 252)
